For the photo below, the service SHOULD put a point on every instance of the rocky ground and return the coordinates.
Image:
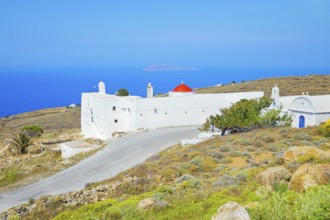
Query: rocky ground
(237, 175)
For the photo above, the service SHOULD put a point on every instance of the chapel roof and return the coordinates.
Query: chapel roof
(182, 88)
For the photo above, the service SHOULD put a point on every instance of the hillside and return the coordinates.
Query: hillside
(296, 85)
(262, 170)
(185, 183)
(49, 119)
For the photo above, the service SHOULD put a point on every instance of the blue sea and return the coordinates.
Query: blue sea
(29, 89)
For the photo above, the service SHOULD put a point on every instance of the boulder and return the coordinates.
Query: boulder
(146, 204)
(272, 176)
(293, 154)
(310, 175)
(231, 211)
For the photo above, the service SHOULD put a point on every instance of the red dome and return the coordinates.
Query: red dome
(182, 88)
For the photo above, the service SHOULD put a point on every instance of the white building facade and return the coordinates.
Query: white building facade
(103, 114)
(305, 110)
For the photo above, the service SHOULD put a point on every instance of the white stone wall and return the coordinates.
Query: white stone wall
(187, 110)
(101, 115)
(69, 152)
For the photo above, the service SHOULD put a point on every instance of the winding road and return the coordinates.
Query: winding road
(120, 155)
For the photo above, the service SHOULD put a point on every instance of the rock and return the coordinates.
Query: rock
(272, 176)
(231, 211)
(101, 188)
(146, 204)
(128, 179)
(115, 185)
(293, 154)
(310, 175)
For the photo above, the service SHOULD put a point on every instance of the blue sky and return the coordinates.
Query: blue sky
(240, 33)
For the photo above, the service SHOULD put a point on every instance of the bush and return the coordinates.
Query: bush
(184, 178)
(325, 129)
(258, 144)
(234, 153)
(217, 155)
(302, 136)
(246, 154)
(227, 180)
(226, 160)
(225, 148)
(33, 131)
(191, 184)
(8, 176)
(267, 139)
(274, 148)
(112, 213)
(313, 204)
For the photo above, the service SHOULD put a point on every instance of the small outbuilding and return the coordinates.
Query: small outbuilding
(71, 148)
(305, 110)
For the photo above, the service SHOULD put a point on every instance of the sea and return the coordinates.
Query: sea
(29, 89)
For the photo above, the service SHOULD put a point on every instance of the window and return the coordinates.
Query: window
(113, 108)
(116, 120)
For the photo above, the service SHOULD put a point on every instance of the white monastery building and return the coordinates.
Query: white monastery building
(103, 114)
(305, 110)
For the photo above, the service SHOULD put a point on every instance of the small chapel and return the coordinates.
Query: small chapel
(305, 110)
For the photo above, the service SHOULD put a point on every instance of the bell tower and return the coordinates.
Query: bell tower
(150, 91)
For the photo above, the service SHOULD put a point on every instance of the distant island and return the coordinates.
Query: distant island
(155, 68)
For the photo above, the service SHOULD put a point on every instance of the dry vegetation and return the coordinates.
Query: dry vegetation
(48, 119)
(42, 159)
(296, 85)
(192, 182)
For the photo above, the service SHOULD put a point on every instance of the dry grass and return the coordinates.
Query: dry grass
(314, 84)
(48, 119)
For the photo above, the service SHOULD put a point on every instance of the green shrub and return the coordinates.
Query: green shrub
(33, 130)
(241, 141)
(314, 204)
(197, 161)
(225, 148)
(306, 158)
(191, 184)
(306, 143)
(8, 176)
(217, 155)
(226, 160)
(274, 148)
(234, 153)
(267, 139)
(112, 213)
(165, 190)
(257, 144)
(325, 129)
(13, 217)
(302, 136)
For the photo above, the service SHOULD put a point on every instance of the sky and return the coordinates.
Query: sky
(240, 33)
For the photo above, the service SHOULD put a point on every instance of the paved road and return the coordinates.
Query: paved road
(118, 156)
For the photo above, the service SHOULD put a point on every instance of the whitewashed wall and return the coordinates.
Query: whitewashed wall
(101, 115)
(188, 110)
